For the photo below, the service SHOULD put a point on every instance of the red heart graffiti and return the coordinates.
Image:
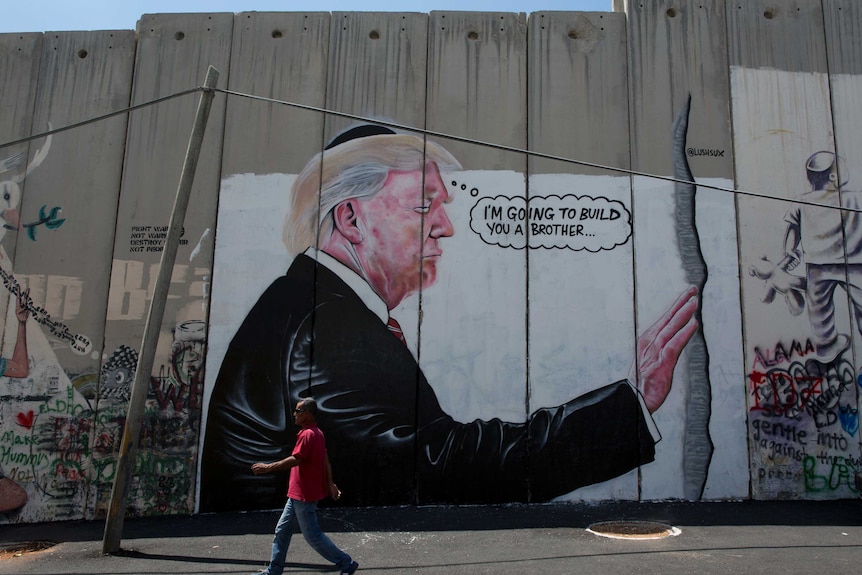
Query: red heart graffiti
(25, 419)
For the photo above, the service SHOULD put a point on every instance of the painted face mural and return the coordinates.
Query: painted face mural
(321, 330)
(403, 225)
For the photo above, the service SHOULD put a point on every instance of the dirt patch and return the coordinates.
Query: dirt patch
(20, 548)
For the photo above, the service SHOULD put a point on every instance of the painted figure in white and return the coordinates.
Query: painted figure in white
(828, 241)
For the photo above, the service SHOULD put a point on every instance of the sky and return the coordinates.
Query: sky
(63, 15)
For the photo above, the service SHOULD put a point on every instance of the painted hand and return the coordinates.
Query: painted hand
(659, 348)
(22, 308)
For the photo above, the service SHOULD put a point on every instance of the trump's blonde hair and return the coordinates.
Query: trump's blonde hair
(357, 169)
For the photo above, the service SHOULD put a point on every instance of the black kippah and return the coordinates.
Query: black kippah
(359, 132)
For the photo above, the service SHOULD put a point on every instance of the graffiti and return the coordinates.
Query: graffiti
(164, 462)
(131, 287)
(782, 431)
(8, 456)
(64, 406)
(79, 343)
(832, 440)
(151, 238)
(849, 418)
(181, 385)
(573, 222)
(117, 374)
(773, 473)
(712, 153)
(25, 420)
(810, 387)
(771, 357)
(780, 440)
(11, 438)
(48, 220)
(168, 433)
(814, 384)
(61, 436)
(841, 472)
(807, 395)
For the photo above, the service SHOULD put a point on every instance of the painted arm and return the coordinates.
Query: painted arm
(384, 423)
(792, 254)
(19, 365)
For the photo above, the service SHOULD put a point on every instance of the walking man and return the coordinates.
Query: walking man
(310, 481)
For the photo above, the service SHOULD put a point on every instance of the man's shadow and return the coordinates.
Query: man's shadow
(134, 554)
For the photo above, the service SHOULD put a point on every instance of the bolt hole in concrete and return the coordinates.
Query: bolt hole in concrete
(20, 548)
(633, 530)
(473, 35)
(374, 35)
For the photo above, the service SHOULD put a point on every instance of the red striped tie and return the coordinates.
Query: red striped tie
(396, 330)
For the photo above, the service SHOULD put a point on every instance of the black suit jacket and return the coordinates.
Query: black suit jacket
(389, 441)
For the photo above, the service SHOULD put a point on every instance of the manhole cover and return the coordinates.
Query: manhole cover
(633, 529)
(19, 548)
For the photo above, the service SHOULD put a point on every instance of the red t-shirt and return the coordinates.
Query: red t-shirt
(308, 479)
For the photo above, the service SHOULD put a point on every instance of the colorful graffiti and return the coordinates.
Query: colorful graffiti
(809, 385)
(60, 427)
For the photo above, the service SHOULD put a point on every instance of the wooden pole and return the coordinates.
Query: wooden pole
(134, 417)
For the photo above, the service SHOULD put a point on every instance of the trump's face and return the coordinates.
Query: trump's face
(401, 228)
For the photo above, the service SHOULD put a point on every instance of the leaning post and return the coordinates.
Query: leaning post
(134, 416)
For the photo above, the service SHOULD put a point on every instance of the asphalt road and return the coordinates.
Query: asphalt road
(710, 538)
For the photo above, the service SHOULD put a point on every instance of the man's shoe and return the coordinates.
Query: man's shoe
(351, 569)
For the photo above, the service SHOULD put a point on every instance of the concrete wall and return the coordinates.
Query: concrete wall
(562, 289)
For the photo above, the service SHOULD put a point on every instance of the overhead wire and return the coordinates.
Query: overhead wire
(427, 133)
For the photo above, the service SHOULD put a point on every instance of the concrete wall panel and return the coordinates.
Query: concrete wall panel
(680, 128)
(20, 54)
(477, 89)
(796, 345)
(64, 248)
(173, 53)
(377, 68)
(579, 109)
(282, 56)
(843, 23)
(279, 55)
(83, 75)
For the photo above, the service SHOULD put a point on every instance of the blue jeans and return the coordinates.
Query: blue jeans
(306, 514)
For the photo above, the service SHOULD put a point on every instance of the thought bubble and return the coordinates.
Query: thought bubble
(573, 222)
